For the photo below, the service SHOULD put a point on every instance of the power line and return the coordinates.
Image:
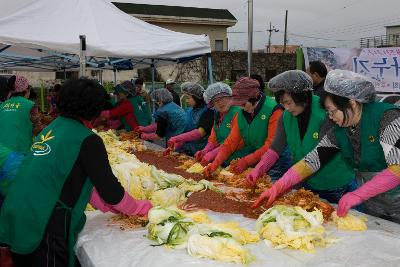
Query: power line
(320, 38)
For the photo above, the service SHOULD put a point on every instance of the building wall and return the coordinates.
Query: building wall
(214, 32)
(393, 30)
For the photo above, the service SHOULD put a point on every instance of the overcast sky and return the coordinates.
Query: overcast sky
(339, 23)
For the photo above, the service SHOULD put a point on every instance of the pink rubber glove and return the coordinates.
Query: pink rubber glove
(97, 202)
(240, 165)
(105, 114)
(114, 124)
(178, 140)
(210, 169)
(200, 154)
(130, 206)
(149, 136)
(210, 156)
(265, 164)
(287, 181)
(380, 183)
(147, 129)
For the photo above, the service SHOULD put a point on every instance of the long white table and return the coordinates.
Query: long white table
(101, 245)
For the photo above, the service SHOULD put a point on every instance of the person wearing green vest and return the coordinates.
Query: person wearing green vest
(300, 127)
(367, 135)
(217, 96)
(199, 122)
(10, 163)
(252, 130)
(43, 212)
(131, 108)
(170, 119)
(17, 116)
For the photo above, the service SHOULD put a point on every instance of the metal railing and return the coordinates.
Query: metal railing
(389, 40)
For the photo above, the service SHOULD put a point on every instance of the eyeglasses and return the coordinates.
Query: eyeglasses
(332, 113)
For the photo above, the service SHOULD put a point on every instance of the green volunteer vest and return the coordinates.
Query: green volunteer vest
(35, 192)
(141, 110)
(4, 153)
(372, 156)
(337, 172)
(255, 133)
(16, 125)
(224, 128)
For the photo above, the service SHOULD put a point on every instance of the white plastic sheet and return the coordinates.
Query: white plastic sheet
(100, 245)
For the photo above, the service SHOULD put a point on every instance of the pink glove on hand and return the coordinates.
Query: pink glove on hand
(380, 183)
(208, 171)
(149, 136)
(178, 140)
(97, 202)
(288, 180)
(240, 165)
(265, 164)
(130, 206)
(200, 154)
(210, 156)
(105, 114)
(114, 124)
(147, 129)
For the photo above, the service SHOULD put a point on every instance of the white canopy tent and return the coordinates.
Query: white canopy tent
(45, 36)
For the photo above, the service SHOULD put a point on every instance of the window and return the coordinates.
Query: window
(219, 45)
(69, 75)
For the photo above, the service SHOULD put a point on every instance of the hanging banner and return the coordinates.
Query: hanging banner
(382, 65)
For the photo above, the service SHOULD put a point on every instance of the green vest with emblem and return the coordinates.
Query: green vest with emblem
(255, 133)
(337, 172)
(36, 190)
(141, 110)
(16, 125)
(224, 128)
(372, 156)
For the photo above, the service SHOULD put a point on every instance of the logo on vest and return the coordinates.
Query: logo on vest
(315, 135)
(371, 138)
(263, 117)
(41, 148)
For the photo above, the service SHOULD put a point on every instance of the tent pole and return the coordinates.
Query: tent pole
(101, 77)
(65, 75)
(210, 69)
(153, 75)
(115, 77)
(82, 56)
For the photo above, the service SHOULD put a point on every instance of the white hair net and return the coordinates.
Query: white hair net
(350, 85)
(161, 95)
(193, 89)
(216, 89)
(291, 81)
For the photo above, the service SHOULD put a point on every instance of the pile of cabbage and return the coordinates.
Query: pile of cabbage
(144, 181)
(200, 237)
(292, 227)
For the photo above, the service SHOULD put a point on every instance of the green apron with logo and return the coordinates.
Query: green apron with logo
(141, 110)
(255, 133)
(386, 205)
(337, 172)
(36, 190)
(224, 128)
(16, 125)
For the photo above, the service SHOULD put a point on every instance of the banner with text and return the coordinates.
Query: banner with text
(382, 65)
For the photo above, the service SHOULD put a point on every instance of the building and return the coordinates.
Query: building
(290, 49)
(390, 39)
(193, 20)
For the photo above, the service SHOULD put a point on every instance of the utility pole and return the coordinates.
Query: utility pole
(285, 37)
(250, 37)
(270, 30)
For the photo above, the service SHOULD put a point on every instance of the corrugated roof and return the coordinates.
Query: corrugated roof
(176, 11)
(392, 26)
